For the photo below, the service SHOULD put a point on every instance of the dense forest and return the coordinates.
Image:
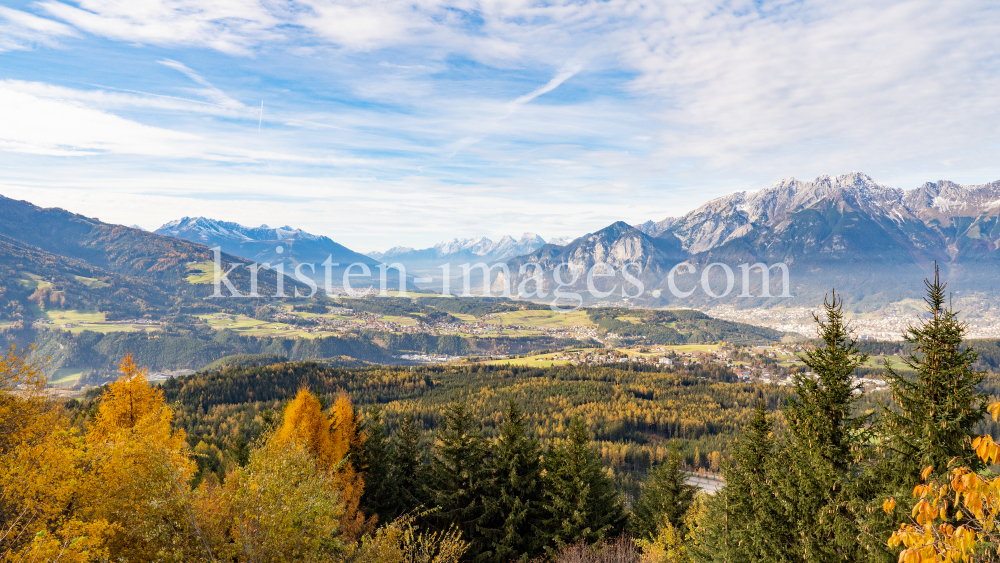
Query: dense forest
(677, 327)
(631, 410)
(299, 461)
(184, 344)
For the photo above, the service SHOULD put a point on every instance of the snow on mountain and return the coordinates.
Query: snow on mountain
(654, 228)
(506, 247)
(263, 243)
(205, 229)
(561, 241)
(733, 216)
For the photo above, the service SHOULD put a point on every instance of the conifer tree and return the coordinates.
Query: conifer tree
(513, 500)
(665, 494)
(409, 472)
(750, 524)
(376, 466)
(580, 498)
(458, 476)
(937, 408)
(818, 455)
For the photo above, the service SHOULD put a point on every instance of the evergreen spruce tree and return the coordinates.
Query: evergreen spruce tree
(819, 454)
(513, 500)
(581, 502)
(459, 477)
(380, 492)
(665, 493)
(409, 472)
(750, 524)
(937, 408)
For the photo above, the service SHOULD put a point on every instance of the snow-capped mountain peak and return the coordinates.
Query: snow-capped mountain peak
(506, 247)
(203, 229)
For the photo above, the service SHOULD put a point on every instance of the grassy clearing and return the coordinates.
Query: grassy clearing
(895, 362)
(67, 377)
(91, 282)
(201, 272)
(540, 361)
(63, 316)
(545, 318)
(692, 347)
(33, 281)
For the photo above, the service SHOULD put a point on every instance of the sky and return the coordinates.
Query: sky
(383, 123)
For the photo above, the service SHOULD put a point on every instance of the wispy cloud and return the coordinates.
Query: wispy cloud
(209, 92)
(21, 30)
(234, 26)
(396, 108)
(565, 73)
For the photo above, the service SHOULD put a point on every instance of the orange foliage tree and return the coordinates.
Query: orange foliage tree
(140, 470)
(956, 515)
(42, 459)
(333, 441)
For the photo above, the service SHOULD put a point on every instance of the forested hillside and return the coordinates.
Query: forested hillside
(188, 346)
(674, 327)
(488, 463)
(631, 411)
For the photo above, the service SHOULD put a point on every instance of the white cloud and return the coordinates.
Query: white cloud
(45, 120)
(110, 98)
(669, 103)
(229, 26)
(44, 126)
(21, 30)
(830, 83)
(209, 92)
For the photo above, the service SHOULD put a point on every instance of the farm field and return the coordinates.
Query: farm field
(67, 377)
(543, 318)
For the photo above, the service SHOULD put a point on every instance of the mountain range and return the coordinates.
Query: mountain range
(264, 244)
(872, 242)
(478, 248)
(50, 257)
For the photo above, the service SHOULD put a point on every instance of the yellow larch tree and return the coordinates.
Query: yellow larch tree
(955, 518)
(331, 441)
(140, 473)
(305, 423)
(41, 460)
(347, 441)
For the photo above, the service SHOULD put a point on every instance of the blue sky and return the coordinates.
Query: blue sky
(408, 123)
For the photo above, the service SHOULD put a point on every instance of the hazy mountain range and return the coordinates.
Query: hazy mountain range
(478, 248)
(263, 244)
(55, 258)
(872, 242)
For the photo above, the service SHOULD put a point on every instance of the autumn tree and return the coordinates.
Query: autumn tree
(139, 471)
(331, 441)
(664, 545)
(401, 541)
(282, 506)
(42, 458)
(347, 443)
(303, 421)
